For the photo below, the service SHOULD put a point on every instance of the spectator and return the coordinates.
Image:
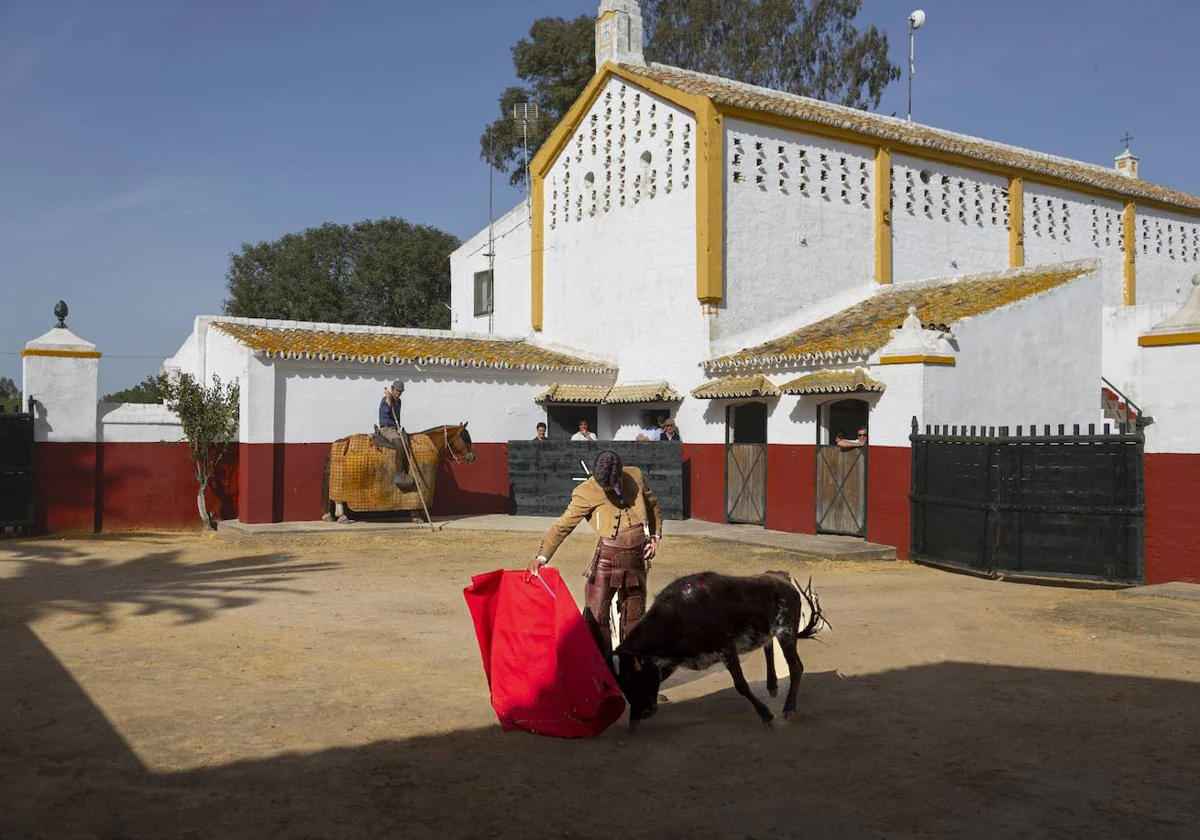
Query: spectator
(650, 428)
(583, 433)
(669, 432)
(541, 432)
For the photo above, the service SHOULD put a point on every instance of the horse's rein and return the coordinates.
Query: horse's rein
(446, 445)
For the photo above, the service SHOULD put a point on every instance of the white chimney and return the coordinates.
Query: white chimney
(1127, 164)
(619, 33)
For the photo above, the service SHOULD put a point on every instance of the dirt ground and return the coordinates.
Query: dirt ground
(243, 686)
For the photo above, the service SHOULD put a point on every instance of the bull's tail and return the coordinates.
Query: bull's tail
(812, 620)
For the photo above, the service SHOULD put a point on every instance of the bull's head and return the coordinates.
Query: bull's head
(639, 679)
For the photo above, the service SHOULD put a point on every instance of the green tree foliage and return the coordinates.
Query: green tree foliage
(209, 415)
(384, 273)
(807, 47)
(10, 395)
(145, 391)
(555, 62)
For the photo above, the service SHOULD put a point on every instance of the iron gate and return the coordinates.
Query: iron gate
(1064, 505)
(841, 490)
(16, 471)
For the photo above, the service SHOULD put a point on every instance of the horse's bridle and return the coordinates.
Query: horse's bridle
(446, 445)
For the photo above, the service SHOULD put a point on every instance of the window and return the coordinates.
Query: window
(483, 293)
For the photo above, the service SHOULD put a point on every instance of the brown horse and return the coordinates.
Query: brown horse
(360, 472)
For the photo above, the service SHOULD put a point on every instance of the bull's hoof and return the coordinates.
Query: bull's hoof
(769, 723)
(773, 690)
(344, 520)
(789, 714)
(328, 518)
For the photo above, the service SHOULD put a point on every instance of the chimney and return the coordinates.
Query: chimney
(619, 33)
(1127, 164)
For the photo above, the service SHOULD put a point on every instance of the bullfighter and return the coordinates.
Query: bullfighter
(625, 514)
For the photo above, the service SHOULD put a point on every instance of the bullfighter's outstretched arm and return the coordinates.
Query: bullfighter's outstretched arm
(581, 507)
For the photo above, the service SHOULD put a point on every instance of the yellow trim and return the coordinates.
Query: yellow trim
(63, 354)
(1016, 222)
(883, 215)
(710, 205)
(1129, 234)
(537, 244)
(1169, 339)
(917, 360)
(897, 146)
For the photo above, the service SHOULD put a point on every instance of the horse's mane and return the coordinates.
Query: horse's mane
(446, 428)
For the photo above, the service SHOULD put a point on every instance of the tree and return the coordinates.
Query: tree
(807, 47)
(556, 62)
(209, 416)
(384, 273)
(10, 395)
(145, 391)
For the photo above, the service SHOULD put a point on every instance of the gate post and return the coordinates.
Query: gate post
(60, 372)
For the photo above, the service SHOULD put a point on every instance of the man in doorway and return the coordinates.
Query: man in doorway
(669, 432)
(541, 432)
(390, 429)
(625, 515)
(583, 433)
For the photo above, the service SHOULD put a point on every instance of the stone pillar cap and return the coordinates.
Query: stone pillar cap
(61, 338)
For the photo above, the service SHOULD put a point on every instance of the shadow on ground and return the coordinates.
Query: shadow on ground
(951, 748)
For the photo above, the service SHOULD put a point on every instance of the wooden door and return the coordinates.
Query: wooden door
(842, 491)
(746, 464)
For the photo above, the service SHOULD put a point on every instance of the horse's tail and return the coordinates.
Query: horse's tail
(326, 502)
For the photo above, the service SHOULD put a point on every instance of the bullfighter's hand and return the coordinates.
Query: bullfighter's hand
(649, 550)
(535, 566)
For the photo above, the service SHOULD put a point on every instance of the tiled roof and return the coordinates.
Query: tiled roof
(731, 93)
(607, 395)
(643, 393)
(730, 387)
(860, 330)
(398, 347)
(833, 382)
(557, 393)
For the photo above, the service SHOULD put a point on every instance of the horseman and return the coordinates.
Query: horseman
(393, 432)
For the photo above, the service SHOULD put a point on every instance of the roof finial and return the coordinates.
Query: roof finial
(1125, 139)
(60, 312)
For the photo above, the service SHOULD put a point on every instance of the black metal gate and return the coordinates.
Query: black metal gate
(1062, 505)
(16, 472)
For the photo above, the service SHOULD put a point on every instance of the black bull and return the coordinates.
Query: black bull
(701, 619)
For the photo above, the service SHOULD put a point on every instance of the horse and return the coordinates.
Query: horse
(360, 472)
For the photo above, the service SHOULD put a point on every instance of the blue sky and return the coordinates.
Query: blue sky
(143, 141)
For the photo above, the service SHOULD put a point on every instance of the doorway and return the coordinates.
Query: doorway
(841, 471)
(746, 463)
(562, 421)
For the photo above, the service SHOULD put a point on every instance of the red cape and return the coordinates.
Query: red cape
(544, 670)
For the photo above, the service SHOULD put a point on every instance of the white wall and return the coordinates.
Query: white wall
(799, 225)
(1033, 361)
(1122, 357)
(1062, 225)
(138, 423)
(511, 290)
(619, 269)
(1167, 257)
(946, 220)
(1171, 395)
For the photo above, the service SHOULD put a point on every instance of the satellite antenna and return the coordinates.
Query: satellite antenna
(915, 21)
(525, 120)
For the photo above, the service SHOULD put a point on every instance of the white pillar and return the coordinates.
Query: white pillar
(61, 371)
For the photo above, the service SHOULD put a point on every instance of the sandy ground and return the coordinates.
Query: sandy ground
(243, 686)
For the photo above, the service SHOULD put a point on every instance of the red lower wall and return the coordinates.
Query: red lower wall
(89, 487)
(889, 481)
(1172, 485)
(791, 488)
(478, 487)
(704, 481)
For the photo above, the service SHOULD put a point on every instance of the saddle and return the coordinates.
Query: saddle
(380, 441)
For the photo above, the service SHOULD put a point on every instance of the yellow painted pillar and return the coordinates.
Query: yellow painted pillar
(1016, 222)
(710, 205)
(1129, 236)
(537, 249)
(883, 215)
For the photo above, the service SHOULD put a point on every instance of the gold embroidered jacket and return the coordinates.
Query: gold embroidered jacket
(637, 506)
